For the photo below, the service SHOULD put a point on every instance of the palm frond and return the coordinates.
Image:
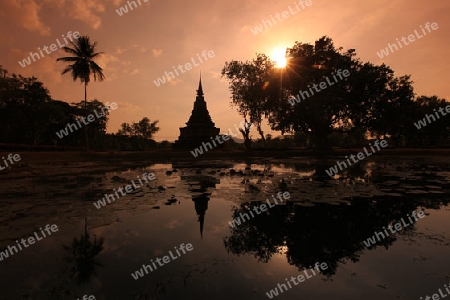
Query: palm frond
(70, 50)
(67, 69)
(96, 54)
(68, 58)
(83, 66)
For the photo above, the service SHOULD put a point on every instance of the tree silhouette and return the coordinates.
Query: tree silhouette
(139, 133)
(331, 109)
(319, 113)
(83, 65)
(247, 86)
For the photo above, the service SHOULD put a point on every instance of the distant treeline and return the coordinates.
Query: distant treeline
(31, 119)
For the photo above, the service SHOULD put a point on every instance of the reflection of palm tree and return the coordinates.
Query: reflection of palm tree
(81, 256)
(82, 67)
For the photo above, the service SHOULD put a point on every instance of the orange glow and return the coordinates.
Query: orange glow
(279, 57)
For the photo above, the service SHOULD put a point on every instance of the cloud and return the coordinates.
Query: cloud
(24, 13)
(135, 71)
(85, 11)
(157, 52)
(120, 50)
(132, 72)
(142, 49)
(218, 76)
(105, 59)
(110, 64)
(174, 81)
(172, 224)
(45, 68)
(114, 67)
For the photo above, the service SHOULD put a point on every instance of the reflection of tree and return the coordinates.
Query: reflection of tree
(322, 233)
(81, 257)
(321, 165)
(261, 236)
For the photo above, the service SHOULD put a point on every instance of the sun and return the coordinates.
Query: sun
(279, 57)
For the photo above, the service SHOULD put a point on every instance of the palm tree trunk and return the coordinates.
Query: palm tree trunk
(85, 116)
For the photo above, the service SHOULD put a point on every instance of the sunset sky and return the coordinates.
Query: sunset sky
(142, 44)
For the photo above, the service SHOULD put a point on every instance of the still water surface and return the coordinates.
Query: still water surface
(325, 220)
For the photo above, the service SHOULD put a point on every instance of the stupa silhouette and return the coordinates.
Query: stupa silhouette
(200, 128)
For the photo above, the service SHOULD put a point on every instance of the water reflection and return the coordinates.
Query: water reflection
(80, 257)
(201, 205)
(200, 184)
(326, 220)
(320, 233)
(78, 268)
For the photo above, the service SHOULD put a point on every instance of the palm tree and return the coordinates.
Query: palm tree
(82, 67)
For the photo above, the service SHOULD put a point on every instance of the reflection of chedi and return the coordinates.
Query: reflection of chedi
(201, 205)
(200, 128)
(201, 185)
